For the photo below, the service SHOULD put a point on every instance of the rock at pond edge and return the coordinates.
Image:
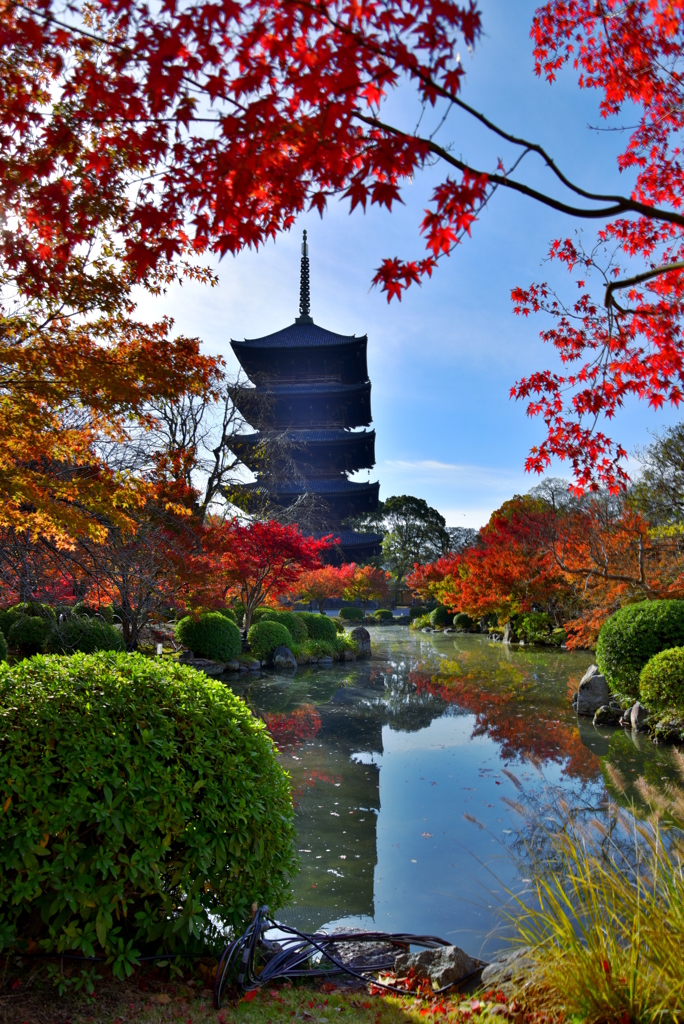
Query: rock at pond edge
(362, 638)
(593, 692)
(283, 658)
(443, 966)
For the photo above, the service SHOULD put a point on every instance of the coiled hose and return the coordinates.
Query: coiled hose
(291, 956)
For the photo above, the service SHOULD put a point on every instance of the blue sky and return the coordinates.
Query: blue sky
(443, 360)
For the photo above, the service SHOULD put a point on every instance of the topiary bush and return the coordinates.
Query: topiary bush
(319, 627)
(440, 617)
(463, 621)
(3, 647)
(29, 634)
(630, 638)
(141, 801)
(80, 633)
(228, 613)
(383, 615)
(351, 614)
(211, 635)
(416, 612)
(292, 623)
(265, 636)
(661, 682)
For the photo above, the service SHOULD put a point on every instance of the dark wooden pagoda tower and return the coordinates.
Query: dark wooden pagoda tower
(312, 385)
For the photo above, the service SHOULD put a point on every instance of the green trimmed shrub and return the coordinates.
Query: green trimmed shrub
(227, 613)
(383, 615)
(630, 638)
(264, 636)
(3, 647)
(292, 623)
(661, 683)
(416, 612)
(8, 616)
(258, 613)
(142, 800)
(29, 634)
(440, 617)
(463, 621)
(80, 633)
(211, 635)
(319, 627)
(351, 613)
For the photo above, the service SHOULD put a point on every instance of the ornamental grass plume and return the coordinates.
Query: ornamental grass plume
(606, 920)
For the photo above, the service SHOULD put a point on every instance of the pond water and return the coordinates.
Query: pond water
(404, 768)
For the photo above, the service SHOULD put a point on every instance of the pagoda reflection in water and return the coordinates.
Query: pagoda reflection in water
(312, 385)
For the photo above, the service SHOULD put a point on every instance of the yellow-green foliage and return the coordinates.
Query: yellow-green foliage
(661, 683)
(607, 935)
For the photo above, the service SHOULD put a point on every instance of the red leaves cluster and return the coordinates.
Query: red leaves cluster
(632, 344)
(298, 726)
(231, 118)
(254, 563)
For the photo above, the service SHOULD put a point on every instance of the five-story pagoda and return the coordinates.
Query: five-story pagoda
(311, 385)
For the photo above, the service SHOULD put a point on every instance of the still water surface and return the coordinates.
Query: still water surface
(391, 758)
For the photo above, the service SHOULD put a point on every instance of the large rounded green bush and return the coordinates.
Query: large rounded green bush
(211, 635)
(141, 800)
(440, 617)
(293, 624)
(632, 636)
(661, 683)
(88, 635)
(29, 634)
(3, 647)
(383, 615)
(319, 627)
(264, 636)
(416, 612)
(351, 613)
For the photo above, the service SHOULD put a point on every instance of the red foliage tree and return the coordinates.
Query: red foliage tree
(322, 584)
(163, 132)
(256, 562)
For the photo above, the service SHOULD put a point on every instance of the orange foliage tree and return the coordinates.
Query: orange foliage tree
(322, 584)
(366, 583)
(578, 562)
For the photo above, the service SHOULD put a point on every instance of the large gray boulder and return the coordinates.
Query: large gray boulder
(284, 659)
(362, 637)
(442, 966)
(593, 692)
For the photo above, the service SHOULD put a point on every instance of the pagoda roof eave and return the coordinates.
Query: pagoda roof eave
(299, 336)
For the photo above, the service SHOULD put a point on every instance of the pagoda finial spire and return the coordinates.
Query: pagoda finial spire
(304, 297)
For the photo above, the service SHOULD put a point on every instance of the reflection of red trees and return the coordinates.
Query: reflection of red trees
(536, 735)
(295, 726)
